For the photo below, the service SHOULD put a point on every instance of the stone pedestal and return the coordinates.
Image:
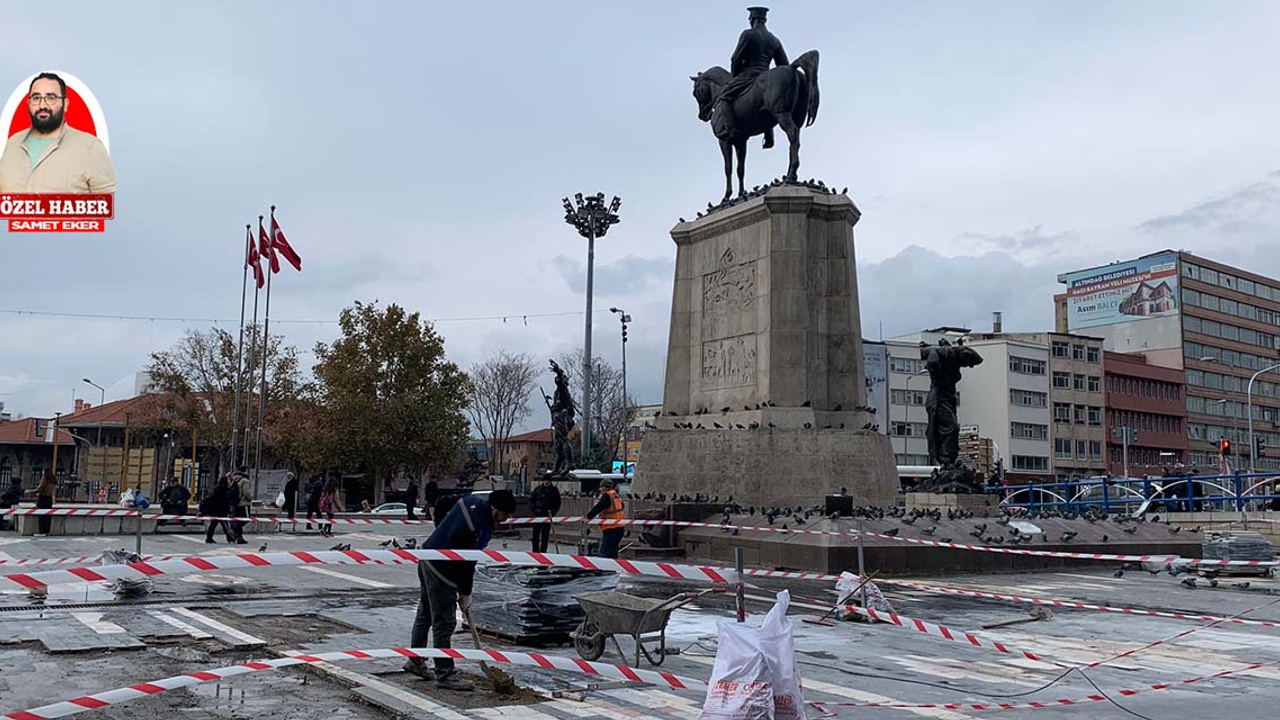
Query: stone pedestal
(766, 344)
(951, 501)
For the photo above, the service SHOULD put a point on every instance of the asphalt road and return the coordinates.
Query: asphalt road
(213, 619)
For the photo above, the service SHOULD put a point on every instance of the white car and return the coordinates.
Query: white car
(391, 509)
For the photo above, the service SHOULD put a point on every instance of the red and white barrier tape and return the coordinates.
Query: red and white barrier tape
(195, 564)
(1040, 704)
(551, 662)
(1111, 557)
(579, 519)
(947, 633)
(1070, 603)
(99, 512)
(82, 560)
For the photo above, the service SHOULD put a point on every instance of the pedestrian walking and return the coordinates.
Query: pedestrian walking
(216, 504)
(290, 494)
(544, 502)
(315, 488)
(240, 497)
(411, 498)
(329, 506)
(610, 510)
(445, 586)
(46, 491)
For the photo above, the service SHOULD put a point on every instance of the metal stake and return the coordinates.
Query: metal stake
(740, 597)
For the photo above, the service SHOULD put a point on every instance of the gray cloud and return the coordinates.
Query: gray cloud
(628, 275)
(1030, 244)
(1247, 210)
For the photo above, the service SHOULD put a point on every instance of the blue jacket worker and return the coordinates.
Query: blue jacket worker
(445, 585)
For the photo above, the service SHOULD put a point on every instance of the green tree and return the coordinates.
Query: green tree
(386, 398)
(195, 382)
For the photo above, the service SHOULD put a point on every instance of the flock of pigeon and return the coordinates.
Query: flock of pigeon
(724, 411)
(759, 190)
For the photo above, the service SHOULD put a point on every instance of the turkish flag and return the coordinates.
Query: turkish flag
(252, 259)
(264, 247)
(281, 243)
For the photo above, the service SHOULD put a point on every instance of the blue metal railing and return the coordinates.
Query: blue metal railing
(1183, 493)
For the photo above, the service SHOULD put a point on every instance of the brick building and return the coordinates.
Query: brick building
(1149, 399)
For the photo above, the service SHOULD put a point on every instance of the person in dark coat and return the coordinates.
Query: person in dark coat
(46, 491)
(291, 494)
(544, 502)
(445, 585)
(216, 504)
(411, 498)
(11, 497)
(430, 494)
(315, 488)
(174, 498)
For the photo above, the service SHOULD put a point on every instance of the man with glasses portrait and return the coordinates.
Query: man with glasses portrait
(51, 156)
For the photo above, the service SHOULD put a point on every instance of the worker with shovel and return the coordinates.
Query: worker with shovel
(446, 585)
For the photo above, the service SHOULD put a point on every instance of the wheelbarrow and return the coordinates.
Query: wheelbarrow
(613, 613)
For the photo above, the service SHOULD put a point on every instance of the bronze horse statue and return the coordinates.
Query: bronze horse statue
(783, 96)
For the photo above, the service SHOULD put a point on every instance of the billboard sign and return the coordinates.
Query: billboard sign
(1123, 292)
(875, 363)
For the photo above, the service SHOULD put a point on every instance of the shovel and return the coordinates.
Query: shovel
(502, 682)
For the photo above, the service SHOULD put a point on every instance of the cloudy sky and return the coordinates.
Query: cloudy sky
(418, 152)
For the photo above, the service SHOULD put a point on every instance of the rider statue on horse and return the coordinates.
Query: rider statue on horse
(762, 90)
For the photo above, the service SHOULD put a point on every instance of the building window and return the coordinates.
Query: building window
(1062, 448)
(1095, 416)
(1093, 355)
(1081, 448)
(1029, 431)
(1095, 450)
(1028, 398)
(1032, 463)
(1062, 412)
(907, 397)
(1026, 366)
(1062, 380)
(1080, 382)
(906, 366)
(1059, 349)
(1077, 352)
(1080, 411)
(1095, 384)
(909, 429)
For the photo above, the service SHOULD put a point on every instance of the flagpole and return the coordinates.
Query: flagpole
(248, 400)
(266, 346)
(244, 286)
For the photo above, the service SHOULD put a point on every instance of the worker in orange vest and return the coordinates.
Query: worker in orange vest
(609, 509)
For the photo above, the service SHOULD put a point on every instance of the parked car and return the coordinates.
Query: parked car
(394, 508)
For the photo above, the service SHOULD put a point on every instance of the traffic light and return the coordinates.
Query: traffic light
(1224, 447)
(624, 332)
(1259, 445)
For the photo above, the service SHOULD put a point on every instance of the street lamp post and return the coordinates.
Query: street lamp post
(592, 219)
(626, 415)
(97, 444)
(1253, 448)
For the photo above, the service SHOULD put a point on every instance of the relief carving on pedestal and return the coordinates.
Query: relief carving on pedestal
(729, 363)
(731, 288)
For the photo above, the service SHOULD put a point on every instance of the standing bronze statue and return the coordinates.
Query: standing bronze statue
(943, 362)
(562, 411)
(760, 91)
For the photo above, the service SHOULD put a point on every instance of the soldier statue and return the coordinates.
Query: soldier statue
(562, 411)
(943, 362)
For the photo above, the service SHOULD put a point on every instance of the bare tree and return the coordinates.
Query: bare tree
(500, 388)
(611, 413)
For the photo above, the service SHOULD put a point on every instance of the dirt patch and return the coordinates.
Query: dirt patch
(483, 697)
(287, 630)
